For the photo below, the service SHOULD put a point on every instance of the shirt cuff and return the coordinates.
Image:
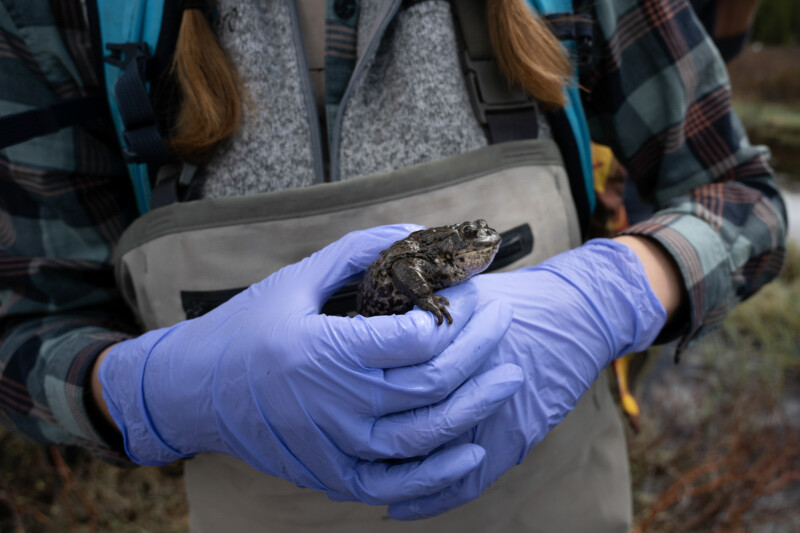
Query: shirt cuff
(46, 376)
(702, 258)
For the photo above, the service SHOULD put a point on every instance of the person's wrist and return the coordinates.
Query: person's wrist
(662, 271)
(97, 389)
(120, 375)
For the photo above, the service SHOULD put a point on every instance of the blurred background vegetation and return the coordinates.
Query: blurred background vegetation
(718, 446)
(777, 22)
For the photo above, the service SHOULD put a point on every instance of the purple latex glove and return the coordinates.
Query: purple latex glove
(311, 398)
(573, 315)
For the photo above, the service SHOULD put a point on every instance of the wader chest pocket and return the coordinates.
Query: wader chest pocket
(517, 243)
(182, 260)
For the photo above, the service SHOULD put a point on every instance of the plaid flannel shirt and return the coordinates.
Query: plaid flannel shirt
(658, 94)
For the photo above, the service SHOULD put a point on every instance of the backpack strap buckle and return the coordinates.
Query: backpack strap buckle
(143, 141)
(124, 53)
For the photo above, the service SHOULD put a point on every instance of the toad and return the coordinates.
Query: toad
(412, 269)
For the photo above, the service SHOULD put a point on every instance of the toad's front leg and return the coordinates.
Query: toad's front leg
(409, 278)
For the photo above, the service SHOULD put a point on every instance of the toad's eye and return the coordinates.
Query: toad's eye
(470, 230)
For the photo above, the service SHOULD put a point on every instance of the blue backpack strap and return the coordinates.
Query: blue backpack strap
(143, 142)
(580, 28)
(130, 30)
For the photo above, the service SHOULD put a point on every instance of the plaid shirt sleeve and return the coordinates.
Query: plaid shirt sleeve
(64, 201)
(658, 93)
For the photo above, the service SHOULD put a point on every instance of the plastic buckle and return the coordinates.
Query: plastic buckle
(490, 92)
(130, 157)
(123, 53)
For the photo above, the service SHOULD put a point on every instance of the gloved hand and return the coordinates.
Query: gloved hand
(573, 314)
(312, 398)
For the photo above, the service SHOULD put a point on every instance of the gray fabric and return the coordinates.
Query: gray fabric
(508, 185)
(312, 24)
(372, 14)
(407, 110)
(330, 197)
(574, 481)
(272, 149)
(408, 103)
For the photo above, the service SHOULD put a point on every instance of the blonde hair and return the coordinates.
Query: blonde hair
(210, 107)
(527, 51)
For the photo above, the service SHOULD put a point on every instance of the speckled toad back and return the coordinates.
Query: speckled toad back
(411, 270)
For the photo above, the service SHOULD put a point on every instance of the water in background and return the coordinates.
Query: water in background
(791, 195)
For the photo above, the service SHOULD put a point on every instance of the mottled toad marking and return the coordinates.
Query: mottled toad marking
(412, 269)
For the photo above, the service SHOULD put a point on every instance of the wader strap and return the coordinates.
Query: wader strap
(505, 111)
(21, 127)
(173, 183)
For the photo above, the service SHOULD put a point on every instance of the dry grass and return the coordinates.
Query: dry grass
(766, 94)
(56, 489)
(720, 445)
(767, 74)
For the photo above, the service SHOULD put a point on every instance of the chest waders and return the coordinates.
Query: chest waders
(180, 260)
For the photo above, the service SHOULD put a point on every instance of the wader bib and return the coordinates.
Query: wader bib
(181, 260)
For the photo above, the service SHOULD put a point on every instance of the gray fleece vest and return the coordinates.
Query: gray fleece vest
(407, 101)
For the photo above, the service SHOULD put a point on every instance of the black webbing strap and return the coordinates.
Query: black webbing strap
(508, 113)
(505, 111)
(505, 126)
(193, 4)
(21, 127)
(173, 184)
(143, 141)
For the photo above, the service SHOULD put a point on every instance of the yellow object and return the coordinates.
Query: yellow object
(609, 183)
(604, 165)
(629, 404)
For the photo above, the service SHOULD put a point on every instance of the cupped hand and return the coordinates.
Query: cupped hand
(573, 315)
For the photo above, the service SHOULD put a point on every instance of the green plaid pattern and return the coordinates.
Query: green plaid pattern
(657, 93)
(64, 201)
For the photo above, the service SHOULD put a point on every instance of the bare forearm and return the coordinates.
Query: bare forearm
(662, 272)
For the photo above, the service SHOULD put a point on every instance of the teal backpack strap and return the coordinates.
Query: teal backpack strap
(574, 108)
(129, 30)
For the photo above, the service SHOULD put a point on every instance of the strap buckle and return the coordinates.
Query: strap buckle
(490, 91)
(124, 53)
(142, 139)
